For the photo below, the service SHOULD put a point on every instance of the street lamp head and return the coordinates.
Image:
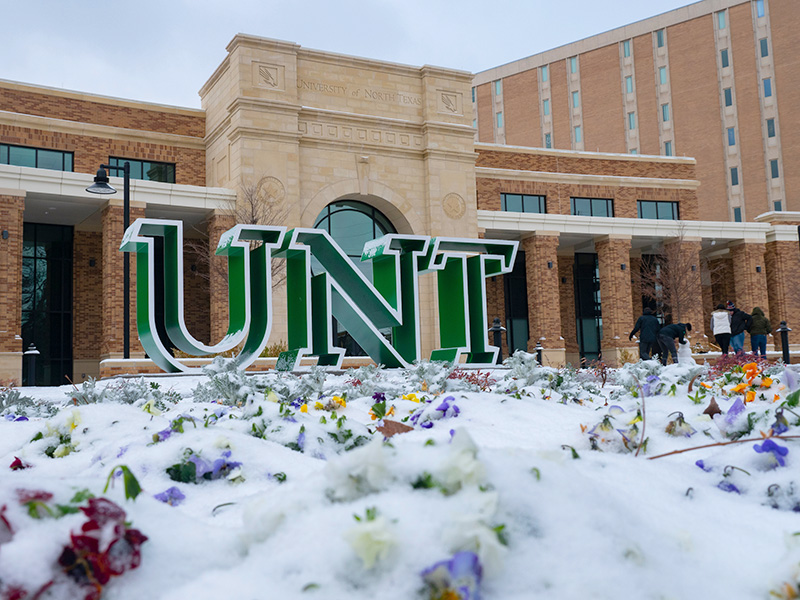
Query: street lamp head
(101, 185)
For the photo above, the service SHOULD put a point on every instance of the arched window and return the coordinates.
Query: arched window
(352, 224)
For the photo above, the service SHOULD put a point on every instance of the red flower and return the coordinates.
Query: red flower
(26, 496)
(18, 464)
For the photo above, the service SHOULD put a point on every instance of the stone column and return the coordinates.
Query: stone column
(749, 275)
(687, 296)
(544, 306)
(218, 224)
(12, 205)
(566, 290)
(613, 255)
(111, 341)
(782, 263)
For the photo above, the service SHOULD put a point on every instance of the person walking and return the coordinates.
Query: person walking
(759, 328)
(666, 340)
(721, 327)
(647, 325)
(740, 322)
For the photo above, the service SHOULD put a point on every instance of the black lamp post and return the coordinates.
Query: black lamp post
(101, 186)
(497, 332)
(784, 331)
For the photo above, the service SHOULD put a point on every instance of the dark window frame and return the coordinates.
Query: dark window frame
(593, 202)
(138, 168)
(657, 205)
(533, 200)
(67, 157)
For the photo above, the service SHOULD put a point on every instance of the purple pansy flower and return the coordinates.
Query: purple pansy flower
(727, 486)
(379, 397)
(734, 411)
(172, 496)
(775, 452)
(700, 463)
(201, 466)
(301, 439)
(781, 424)
(17, 418)
(460, 575)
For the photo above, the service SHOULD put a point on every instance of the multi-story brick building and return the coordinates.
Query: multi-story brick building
(361, 148)
(717, 80)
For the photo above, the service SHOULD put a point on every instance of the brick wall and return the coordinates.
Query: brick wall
(749, 284)
(87, 305)
(784, 20)
(521, 109)
(646, 98)
(218, 281)
(566, 295)
(783, 272)
(91, 152)
(60, 105)
(11, 210)
(615, 291)
(196, 296)
(559, 105)
(485, 114)
(496, 307)
(544, 313)
(603, 118)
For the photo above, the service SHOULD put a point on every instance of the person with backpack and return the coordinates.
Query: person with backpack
(721, 327)
(666, 340)
(648, 327)
(759, 329)
(740, 322)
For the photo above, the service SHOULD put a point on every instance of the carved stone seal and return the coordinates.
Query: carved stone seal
(454, 205)
(270, 189)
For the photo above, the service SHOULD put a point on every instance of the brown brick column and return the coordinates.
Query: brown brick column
(566, 292)
(496, 307)
(782, 263)
(12, 205)
(218, 224)
(615, 297)
(87, 304)
(111, 342)
(688, 295)
(749, 275)
(636, 284)
(544, 303)
(721, 273)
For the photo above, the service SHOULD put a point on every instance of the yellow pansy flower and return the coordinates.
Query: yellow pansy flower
(750, 396)
(340, 401)
(412, 397)
(304, 408)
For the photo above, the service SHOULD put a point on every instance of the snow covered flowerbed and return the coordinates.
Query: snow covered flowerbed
(428, 483)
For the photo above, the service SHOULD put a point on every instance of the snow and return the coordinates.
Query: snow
(497, 476)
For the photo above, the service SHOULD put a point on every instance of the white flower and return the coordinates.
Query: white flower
(371, 540)
(358, 473)
(461, 467)
(470, 533)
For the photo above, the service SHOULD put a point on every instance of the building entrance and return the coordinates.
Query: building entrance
(588, 314)
(47, 302)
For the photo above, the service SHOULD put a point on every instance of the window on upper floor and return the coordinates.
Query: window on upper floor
(631, 121)
(629, 84)
(665, 112)
(773, 168)
(778, 205)
(626, 48)
(767, 87)
(473, 94)
(657, 209)
(662, 75)
(576, 100)
(578, 136)
(592, 207)
(660, 38)
(771, 128)
(498, 87)
(734, 176)
(728, 94)
(634, 151)
(760, 8)
(544, 72)
(573, 64)
(548, 140)
(38, 158)
(723, 58)
(667, 148)
(147, 170)
(526, 203)
(764, 46)
(731, 136)
(499, 120)
(721, 19)
(546, 106)
(737, 214)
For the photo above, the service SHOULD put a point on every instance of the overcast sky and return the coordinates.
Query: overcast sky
(164, 51)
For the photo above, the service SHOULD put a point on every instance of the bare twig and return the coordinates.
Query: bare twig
(644, 422)
(758, 439)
